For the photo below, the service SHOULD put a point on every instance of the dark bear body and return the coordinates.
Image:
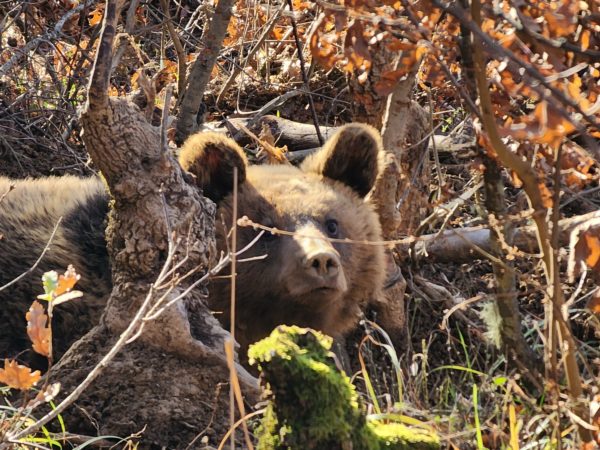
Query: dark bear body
(28, 215)
(304, 279)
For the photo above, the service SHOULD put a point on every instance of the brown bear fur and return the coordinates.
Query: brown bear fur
(330, 184)
(303, 279)
(28, 215)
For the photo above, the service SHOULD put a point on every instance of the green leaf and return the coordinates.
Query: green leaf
(50, 282)
(500, 381)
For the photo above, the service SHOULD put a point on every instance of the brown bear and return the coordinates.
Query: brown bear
(311, 278)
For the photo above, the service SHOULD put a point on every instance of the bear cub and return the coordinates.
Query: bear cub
(311, 278)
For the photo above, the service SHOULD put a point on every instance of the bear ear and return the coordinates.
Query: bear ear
(211, 157)
(351, 156)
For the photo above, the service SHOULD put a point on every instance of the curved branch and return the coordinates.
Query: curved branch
(98, 87)
(557, 325)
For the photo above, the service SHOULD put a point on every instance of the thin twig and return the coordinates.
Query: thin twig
(218, 267)
(164, 121)
(97, 370)
(129, 24)
(49, 36)
(32, 268)
(232, 373)
(553, 93)
(181, 61)
(237, 424)
(268, 27)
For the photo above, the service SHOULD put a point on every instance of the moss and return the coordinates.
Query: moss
(395, 436)
(312, 405)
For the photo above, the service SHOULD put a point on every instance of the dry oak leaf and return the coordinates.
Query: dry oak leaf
(37, 330)
(95, 17)
(584, 249)
(17, 376)
(67, 281)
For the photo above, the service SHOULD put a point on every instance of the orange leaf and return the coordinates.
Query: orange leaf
(584, 249)
(323, 50)
(278, 32)
(67, 281)
(585, 40)
(593, 246)
(95, 17)
(37, 330)
(17, 376)
(594, 306)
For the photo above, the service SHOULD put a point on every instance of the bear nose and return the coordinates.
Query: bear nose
(325, 264)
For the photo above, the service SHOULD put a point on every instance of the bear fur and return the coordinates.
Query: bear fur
(301, 279)
(28, 216)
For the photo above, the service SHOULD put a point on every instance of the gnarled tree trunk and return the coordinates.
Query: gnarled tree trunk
(168, 380)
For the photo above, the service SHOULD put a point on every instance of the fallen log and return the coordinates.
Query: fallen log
(300, 138)
(466, 244)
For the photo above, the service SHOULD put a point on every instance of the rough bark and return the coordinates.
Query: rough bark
(212, 41)
(167, 379)
(400, 195)
(513, 341)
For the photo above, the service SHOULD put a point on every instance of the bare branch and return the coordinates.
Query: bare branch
(49, 36)
(212, 41)
(99, 81)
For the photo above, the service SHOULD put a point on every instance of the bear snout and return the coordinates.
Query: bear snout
(324, 267)
(314, 267)
(324, 264)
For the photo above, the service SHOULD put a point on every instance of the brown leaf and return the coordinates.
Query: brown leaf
(388, 81)
(67, 281)
(95, 17)
(234, 31)
(544, 126)
(323, 49)
(546, 195)
(577, 166)
(37, 330)
(584, 249)
(585, 40)
(17, 376)
(278, 32)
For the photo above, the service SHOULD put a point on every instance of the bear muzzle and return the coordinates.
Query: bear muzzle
(315, 267)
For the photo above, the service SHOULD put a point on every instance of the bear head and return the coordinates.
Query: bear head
(310, 277)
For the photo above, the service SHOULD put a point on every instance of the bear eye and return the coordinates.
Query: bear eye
(331, 226)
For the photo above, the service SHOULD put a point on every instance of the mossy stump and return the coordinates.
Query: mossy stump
(312, 405)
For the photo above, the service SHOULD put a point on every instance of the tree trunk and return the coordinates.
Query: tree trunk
(401, 193)
(168, 380)
(212, 41)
